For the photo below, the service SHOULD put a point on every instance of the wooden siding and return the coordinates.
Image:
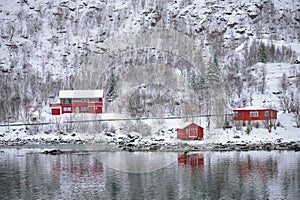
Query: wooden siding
(55, 111)
(246, 115)
(191, 131)
(78, 105)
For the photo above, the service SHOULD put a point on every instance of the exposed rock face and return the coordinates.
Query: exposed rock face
(51, 45)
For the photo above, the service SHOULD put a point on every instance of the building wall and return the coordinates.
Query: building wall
(55, 111)
(66, 108)
(261, 120)
(246, 115)
(78, 105)
(185, 132)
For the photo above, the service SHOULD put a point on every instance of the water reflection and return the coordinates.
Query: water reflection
(192, 160)
(262, 168)
(80, 169)
(136, 162)
(206, 175)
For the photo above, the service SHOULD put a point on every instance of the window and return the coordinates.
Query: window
(66, 101)
(253, 114)
(95, 100)
(266, 113)
(67, 109)
(84, 108)
(236, 114)
(84, 100)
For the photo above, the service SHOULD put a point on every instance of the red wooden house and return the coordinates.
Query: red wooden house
(253, 114)
(190, 131)
(78, 101)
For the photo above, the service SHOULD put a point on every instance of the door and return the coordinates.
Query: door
(193, 133)
(76, 109)
(55, 111)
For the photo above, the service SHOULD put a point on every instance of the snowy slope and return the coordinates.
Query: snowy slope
(160, 53)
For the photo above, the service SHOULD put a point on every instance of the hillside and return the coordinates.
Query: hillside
(170, 58)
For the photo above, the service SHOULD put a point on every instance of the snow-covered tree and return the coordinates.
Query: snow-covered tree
(263, 79)
(296, 109)
(262, 53)
(111, 90)
(213, 73)
(283, 85)
(284, 101)
(216, 105)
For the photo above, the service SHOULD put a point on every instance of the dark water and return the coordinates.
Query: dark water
(27, 174)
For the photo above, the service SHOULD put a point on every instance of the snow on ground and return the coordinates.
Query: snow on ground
(284, 133)
(164, 129)
(165, 132)
(274, 73)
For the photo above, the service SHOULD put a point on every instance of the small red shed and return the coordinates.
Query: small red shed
(251, 113)
(190, 131)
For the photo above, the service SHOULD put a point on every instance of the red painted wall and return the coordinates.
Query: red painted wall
(66, 106)
(192, 131)
(55, 111)
(245, 115)
(77, 105)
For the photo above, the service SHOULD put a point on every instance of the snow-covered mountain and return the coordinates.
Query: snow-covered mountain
(179, 57)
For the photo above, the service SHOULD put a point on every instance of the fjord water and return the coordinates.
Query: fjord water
(25, 173)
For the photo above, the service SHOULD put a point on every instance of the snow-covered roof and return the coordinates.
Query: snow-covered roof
(252, 108)
(81, 94)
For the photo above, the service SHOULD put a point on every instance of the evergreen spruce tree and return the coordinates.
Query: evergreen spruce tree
(262, 53)
(111, 91)
(215, 102)
(213, 73)
(193, 80)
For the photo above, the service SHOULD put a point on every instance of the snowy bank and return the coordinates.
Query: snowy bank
(284, 137)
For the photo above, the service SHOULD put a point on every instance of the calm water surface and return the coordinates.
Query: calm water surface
(25, 173)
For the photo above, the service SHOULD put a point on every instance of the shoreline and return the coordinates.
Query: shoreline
(84, 146)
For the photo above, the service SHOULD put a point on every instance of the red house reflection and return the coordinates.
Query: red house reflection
(191, 160)
(263, 168)
(79, 169)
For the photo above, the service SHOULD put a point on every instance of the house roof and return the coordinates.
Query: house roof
(252, 108)
(186, 124)
(81, 94)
